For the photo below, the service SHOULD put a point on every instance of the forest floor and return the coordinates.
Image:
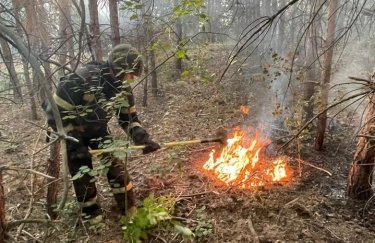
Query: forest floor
(311, 207)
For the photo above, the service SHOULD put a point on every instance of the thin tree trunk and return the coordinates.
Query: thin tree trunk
(44, 35)
(150, 53)
(145, 89)
(53, 185)
(179, 38)
(154, 76)
(362, 169)
(66, 40)
(281, 36)
(95, 29)
(310, 75)
(8, 60)
(115, 27)
(2, 210)
(326, 74)
(31, 23)
(178, 42)
(30, 91)
(48, 72)
(293, 28)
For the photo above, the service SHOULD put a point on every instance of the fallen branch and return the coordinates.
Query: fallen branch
(316, 167)
(31, 236)
(365, 136)
(4, 167)
(196, 194)
(16, 223)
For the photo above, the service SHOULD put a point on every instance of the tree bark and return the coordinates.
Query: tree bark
(95, 30)
(29, 86)
(362, 168)
(2, 210)
(30, 90)
(178, 42)
(281, 36)
(53, 185)
(310, 75)
(150, 61)
(154, 76)
(66, 41)
(8, 60)
(179, 38)
(44, 37)
(113, 17)
(326, 74)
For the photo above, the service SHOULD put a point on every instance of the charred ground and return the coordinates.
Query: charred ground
(311, 208)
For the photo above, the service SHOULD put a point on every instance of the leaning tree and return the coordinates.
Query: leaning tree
(362, 168)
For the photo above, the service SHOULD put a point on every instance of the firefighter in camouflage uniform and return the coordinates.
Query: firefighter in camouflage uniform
(86, 100)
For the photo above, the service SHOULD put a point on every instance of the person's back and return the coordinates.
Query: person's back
(86, 100)
(90, 92)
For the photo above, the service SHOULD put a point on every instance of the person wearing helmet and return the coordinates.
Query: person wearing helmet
(87, 99)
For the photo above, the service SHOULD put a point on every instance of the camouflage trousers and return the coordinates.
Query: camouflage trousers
(84, 186)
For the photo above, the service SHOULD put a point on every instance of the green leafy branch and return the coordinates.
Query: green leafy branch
(154, 213)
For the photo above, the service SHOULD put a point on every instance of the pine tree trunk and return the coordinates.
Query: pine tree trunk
(113, 17)
(95, 29)
(53, 184)
(362, 168)
(326, 74)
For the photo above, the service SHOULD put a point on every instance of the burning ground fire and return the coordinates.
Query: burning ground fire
(241, 163)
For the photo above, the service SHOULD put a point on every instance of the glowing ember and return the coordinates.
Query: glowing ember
(244, 109)
(240, 163)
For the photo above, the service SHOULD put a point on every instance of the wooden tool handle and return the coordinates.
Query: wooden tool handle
(96, 152)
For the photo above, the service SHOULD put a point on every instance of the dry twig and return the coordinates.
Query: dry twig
(316, 167)
(4, 167)
(196, 194)
(252, 230)
(323, 111)
(360, 79)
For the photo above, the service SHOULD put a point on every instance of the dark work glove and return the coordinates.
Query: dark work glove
(151, 146)
(141, 137)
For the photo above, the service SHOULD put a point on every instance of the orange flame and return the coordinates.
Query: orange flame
(240, 163)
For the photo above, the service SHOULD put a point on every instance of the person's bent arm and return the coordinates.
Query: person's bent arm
(130, 123)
